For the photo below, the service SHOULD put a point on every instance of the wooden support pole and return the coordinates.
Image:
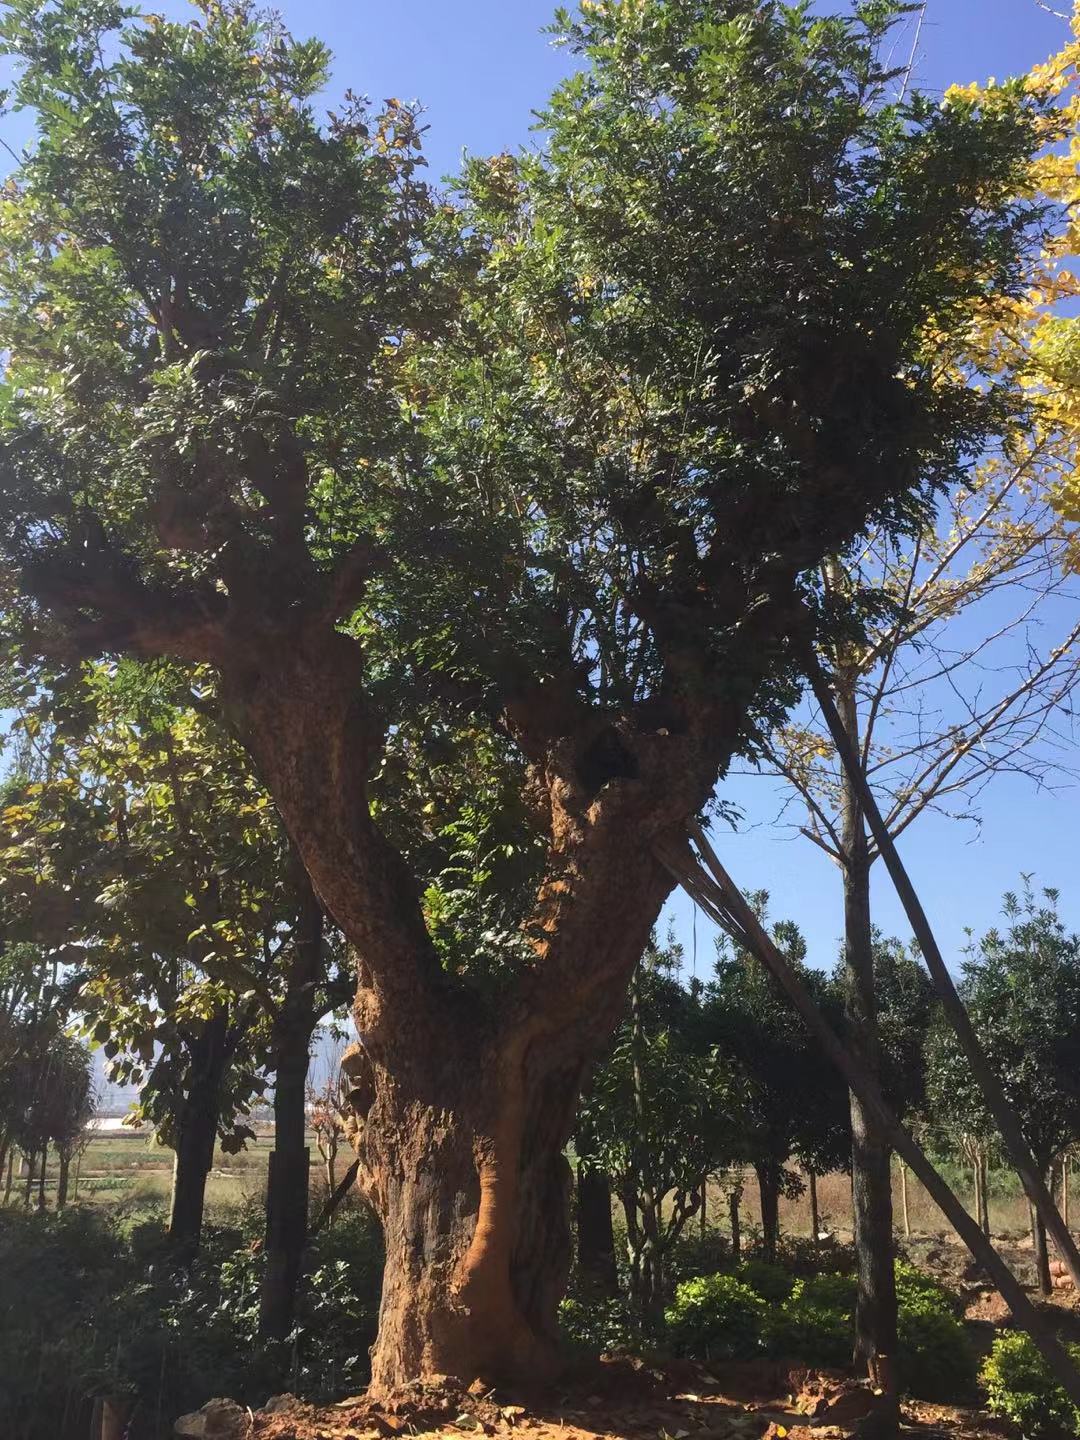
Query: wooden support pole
(707, 882)
(997, 1102)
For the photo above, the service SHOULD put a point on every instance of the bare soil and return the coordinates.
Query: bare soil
(618, 1399)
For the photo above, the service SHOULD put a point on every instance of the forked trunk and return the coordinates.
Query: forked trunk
(463, 1106)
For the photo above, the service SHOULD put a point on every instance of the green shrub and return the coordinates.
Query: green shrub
(828, 1292)
(801, 1257)
(695, 1254)
(814, 1323)
(936, 1358)
(715, 1317)
(597, 1327)
(99, 1303)
(771, 1282)
(917, 1290)
(1021, 1389)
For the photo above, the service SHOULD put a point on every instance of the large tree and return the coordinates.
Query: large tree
(548, 470)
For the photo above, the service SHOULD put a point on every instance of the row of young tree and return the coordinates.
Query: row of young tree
(707, 1079)
(426, 561)
(46, 1082)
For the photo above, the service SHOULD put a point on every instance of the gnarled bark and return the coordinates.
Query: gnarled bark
(463, 1163)
(463, 1109)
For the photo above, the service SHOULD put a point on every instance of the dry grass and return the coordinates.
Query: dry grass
(1008, 1212)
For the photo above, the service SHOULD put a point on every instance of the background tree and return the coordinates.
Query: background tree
(154, 862)
(796, 1101)
(951, 682)
(1022, 988)
(662, 1111)
(560, 463)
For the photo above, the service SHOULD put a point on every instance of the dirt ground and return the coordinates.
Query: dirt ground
(617, 1400)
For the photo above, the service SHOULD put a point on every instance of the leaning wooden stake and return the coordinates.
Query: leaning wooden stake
(719, 897)
(997, 1102)
(904, 1200)
(344, 1185)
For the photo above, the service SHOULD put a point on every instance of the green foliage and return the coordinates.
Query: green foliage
(815, 1322)
(598, 1326)
(798, 1104)
(937, 1360)
(664, 1108)
(916, 1290)
(715, 1317)
(694, 1253)
(1021, 987)
(1020, 1389)
(772, 1282)
(800, 1255)
(100, 1301)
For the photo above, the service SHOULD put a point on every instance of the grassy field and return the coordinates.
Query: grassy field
(1007, 1205)
(130, 1168)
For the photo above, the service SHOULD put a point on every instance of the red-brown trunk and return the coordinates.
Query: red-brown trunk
(473, 1194)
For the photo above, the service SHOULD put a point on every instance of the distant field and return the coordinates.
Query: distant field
(129, 1168)
(119, 1167)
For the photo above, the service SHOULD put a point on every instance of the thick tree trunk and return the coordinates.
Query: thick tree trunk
(288, 1176)
(815, 1218)
(196, 1132)
(768, 1178)
(41, 1203)
(466, 1106)
(474, 1206)
(595, 1233)
(871, 1157)
(9, 1177)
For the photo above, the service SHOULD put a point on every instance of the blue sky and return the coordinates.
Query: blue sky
(481, 67)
